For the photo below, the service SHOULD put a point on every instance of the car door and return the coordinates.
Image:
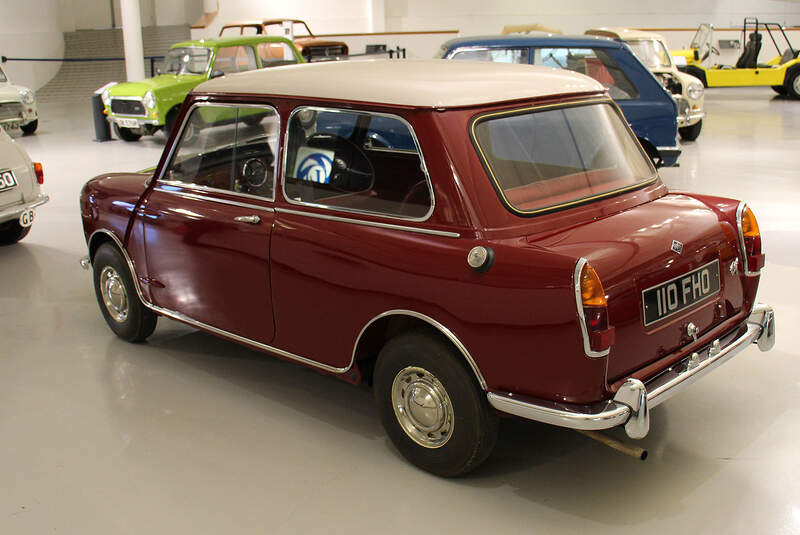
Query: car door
(208, 219)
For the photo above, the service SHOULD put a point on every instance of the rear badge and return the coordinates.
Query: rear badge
(677, 246)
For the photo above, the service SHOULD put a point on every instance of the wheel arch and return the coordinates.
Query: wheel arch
(103, 236)
(377, 331)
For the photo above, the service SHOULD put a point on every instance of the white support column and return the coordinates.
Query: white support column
(132, 39)
(376, 16)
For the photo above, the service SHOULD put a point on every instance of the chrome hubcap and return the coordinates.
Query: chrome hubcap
(115, 298)
(422, 407)
(796, 85)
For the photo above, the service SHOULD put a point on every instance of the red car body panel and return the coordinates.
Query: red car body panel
(308, 286)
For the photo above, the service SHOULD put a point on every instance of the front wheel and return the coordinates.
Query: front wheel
(690, 133)
(779, 89)
(30, 128)
(126, 134)
(11, 232)
(792, 84)
(431, 406)
(120, 305)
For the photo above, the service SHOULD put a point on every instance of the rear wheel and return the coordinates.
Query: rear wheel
(792, 84)
(11, 232)
(431, 406)
(690, 133)
(120, 305)
(126, 134)
(30, 128)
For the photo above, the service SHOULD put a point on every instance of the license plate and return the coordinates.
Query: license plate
(670, 297)
(128, 123)
(7, 180)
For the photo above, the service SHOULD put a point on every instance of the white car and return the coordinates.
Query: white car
(17, 106)
(686, 89)
(20, 190)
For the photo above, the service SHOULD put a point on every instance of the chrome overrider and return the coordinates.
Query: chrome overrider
(632, 403)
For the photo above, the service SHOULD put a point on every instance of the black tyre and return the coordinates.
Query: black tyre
(690, 133)
(11, 232)
(792, 84)
(697, 72)
(169, 122)
(126, 134)
(431, 405)
(116, 295)
(252, 120)
(30, 128)
(779, 89)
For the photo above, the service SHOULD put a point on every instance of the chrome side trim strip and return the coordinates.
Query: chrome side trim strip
(186, 319)
(633, 401)
(208, 189)
(392, 226)
(19, 208)
(441, 328)
(587, 347)
(213, 199)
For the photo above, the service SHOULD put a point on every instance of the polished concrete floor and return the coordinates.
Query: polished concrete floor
(191, 434)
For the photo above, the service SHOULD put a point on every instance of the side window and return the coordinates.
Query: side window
(356, 162)
(230, 148)
(596, 63)
(235, 59)
(274, 54)
(497, 55)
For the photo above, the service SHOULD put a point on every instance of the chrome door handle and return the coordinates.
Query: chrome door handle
(252, 219)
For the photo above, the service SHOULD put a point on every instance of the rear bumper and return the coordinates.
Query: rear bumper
(631, 405)
(14, 212)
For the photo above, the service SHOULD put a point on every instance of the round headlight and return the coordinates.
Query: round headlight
(695, 90)
(27, 96)
(149, 100)
(106, 98)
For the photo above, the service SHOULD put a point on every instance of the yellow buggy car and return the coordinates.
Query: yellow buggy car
(782, 72)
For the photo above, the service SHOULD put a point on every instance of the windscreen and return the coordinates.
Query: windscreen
(652, 53)
(551, 158)
(188, 60)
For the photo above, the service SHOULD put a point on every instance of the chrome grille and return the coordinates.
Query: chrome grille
(683, 106)
(10, 110)
(127, 107)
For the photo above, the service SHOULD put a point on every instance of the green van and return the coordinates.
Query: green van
(142, 108)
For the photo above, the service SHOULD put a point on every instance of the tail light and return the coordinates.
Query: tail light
(37, 168)
(750, 238)
(590, 298)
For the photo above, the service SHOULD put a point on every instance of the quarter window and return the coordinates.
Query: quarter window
(274, 54)
(229, 148)
(235, 59)
(496, 55)
(596, 63)
(357, 162)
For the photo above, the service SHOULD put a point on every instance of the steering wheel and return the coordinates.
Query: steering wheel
(352, 171)
(254, 173)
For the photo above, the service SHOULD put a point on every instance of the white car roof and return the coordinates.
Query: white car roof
(626, 34)
(416, 83)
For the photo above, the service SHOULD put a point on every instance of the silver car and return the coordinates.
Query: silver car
(17, 105)
(20, 190)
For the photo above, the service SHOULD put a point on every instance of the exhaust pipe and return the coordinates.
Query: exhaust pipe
(633, 451)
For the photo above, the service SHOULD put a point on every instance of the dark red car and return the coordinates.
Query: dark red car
(474, 239)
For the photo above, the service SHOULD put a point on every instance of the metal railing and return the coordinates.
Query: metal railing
(151, 59)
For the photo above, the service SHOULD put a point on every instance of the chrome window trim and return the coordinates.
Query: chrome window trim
(487, 48)
(214, 199)
(587, 348)
(423, 165)
(747, 272)
(378, 224)
(441, 328)
(179, 138)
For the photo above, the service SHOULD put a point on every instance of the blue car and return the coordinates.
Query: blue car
(648, 106)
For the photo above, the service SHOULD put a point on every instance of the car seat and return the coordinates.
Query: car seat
(750, 53)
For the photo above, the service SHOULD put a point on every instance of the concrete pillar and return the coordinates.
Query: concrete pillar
(376, 16)
(132, 39)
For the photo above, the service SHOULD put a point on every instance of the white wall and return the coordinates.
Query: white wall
(322, 16)
(474, 17)
(31, 29)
